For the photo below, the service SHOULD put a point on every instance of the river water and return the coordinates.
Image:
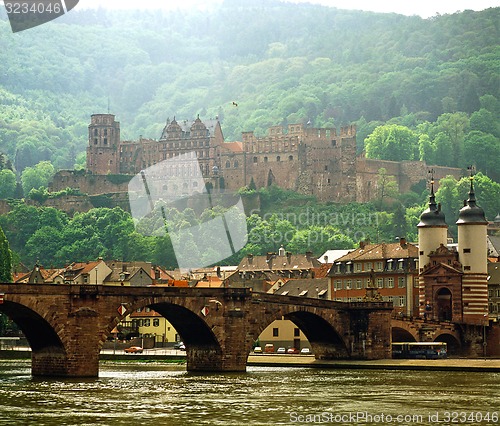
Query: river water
(135, 393)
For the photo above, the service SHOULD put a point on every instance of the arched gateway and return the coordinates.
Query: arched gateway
(67, 325)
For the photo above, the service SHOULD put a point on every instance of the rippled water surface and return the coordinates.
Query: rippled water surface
(160, 394)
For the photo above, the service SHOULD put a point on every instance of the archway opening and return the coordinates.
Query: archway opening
(444, 304)
(301, 330)
(401, 335)
(38, 332)
(452, 344)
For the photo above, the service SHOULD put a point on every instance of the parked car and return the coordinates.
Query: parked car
(257, 350)
(281, 351)
(292, 351)
(133, 350)
(269, 348)
(305, 351)
(180, 346)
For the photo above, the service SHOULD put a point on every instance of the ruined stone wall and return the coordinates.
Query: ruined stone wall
(406, 174)
(88, 183)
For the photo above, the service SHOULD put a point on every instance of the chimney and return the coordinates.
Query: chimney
(157, 273)
(325, 258)
(402, 242)
(269, 256)
(362, 245)
(309, 255)
(250, 258)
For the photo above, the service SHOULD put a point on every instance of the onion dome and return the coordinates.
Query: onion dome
(433, 216)
(471, 213)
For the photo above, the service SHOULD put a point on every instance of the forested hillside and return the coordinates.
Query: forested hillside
(279, 63)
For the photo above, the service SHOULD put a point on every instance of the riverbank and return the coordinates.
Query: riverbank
(275, 360)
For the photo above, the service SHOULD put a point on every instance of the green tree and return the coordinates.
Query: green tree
(8, 183)
(38, 176)
(387, 187)
(5, 259)
(392, 142)
(483, 150)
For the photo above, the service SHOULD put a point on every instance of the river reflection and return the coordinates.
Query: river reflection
(159, 394)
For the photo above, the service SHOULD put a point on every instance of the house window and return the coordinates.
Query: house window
(401, 282)
(276, 331)
(147, 322)
(359, 284)
(466, 268)
(156, 322)
(358, 267)
(148, 309)
(380, 266)
(466, 250)
(348, 284)
(380, 282)
(368, 266)
(338, 284)
(402, 301)
(390, 282)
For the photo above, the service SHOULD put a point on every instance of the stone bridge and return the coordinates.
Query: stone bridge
(67, 325)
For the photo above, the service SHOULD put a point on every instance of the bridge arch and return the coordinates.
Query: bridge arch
(201, 335)
(452, 342)
(400, 334)
(318, 326)
(39, 333)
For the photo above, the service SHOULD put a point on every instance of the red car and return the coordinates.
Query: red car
(134, 350)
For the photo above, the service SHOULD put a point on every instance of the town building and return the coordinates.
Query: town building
(390, 268)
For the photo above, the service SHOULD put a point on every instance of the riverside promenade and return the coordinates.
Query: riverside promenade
(300, 361)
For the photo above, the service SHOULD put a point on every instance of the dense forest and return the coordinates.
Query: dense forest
(416, 89)
(280, 63)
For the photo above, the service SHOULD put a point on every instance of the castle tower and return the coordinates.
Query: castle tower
(432, 233)
(104, 141)
(473, 252)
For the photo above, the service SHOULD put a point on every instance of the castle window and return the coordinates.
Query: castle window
(228, 164)
(255, 159)
(96, 141)
(236, 164)
(105, 141)
(95, 132)
(278, 158)
(105, 132)
(329, 181)
(265, 159)
(334, 142)
(326, 168)
(290, 158)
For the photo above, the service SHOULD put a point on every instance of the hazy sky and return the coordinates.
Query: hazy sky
(424, 8)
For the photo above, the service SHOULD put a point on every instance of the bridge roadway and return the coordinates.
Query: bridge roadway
(67, 325)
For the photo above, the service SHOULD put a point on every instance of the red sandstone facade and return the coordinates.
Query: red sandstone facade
(320, 162)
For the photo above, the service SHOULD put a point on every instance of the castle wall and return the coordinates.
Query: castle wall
(87, 183)
(406, 174)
